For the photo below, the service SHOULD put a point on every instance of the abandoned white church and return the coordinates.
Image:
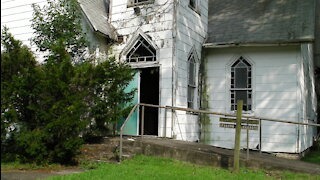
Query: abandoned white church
(207, 54)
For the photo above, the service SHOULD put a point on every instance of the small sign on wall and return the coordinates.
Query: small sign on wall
(251, 124)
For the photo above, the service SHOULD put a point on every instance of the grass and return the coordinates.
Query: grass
(144, 167)
(313, 157)
(16, 166)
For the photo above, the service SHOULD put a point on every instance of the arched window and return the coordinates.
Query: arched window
(191, 79)
(241, 84)
(141, 51)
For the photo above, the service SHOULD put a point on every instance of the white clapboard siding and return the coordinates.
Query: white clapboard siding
(191, 32)
(17, 15)
(155, 22)
(275, 94)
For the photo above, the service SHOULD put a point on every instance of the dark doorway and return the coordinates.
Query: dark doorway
(149, 94)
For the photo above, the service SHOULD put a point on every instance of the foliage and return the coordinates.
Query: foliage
(313, 156)
(59, 24)
(143, 167)
(47, 108)
(40, 112)
(110, 78)
(19, 89)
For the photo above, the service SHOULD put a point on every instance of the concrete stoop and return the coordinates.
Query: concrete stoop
(202, 154)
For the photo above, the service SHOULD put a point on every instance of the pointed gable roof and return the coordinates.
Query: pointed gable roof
(97, 16)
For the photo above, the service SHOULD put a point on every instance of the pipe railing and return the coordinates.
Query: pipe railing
(121, 129)
(198, 111)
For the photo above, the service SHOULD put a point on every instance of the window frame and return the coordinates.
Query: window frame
(132, 3)
(248, 88)
(141, 41)
(191, 85)
(195, 7)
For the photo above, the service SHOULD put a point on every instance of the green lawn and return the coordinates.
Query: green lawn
(144, 167)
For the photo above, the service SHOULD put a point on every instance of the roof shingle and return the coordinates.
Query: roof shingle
(98, 17)
(260, 21)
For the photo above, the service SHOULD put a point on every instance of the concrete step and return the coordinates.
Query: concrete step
(132, 150)
(109, 149)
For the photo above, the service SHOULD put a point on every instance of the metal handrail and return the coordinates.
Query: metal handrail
(205, 112)
(121, 129)
(226, 114)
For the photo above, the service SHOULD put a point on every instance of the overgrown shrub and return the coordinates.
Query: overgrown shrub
(42, 121)
(20, 76)
(110, 79)
(47, 109)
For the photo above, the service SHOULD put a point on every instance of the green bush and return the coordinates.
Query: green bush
(43, 121)
(46, 109)
(40, 112)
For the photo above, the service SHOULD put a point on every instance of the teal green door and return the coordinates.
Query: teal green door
(132, 126)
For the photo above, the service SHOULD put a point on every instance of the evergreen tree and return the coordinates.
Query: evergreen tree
(45, 109)
(20, 76)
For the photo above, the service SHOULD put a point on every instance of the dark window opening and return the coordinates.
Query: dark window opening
(241, 84)
(149, 94)
(192, 3)
(141, 51)
(139, 2)
(191, 80)
(107, 6)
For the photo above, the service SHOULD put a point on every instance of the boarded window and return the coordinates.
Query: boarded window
(191, 79)
(141, 51)
(241, 84)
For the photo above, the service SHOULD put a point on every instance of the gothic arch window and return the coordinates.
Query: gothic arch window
(141, 51)
(241, 84)
(191, 79)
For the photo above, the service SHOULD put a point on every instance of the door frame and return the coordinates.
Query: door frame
(142, 66)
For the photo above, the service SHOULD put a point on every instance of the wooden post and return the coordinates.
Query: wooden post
(236, 157)
(247, 139)
(260, 136)
(142, 122)
(165, 123)
(120, 152)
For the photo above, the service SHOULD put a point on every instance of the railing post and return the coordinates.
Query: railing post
(247, 139)
(142, 121)
(260, 136)
(121, 129)
(165, 123)
(120, 151)
(236, 158)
